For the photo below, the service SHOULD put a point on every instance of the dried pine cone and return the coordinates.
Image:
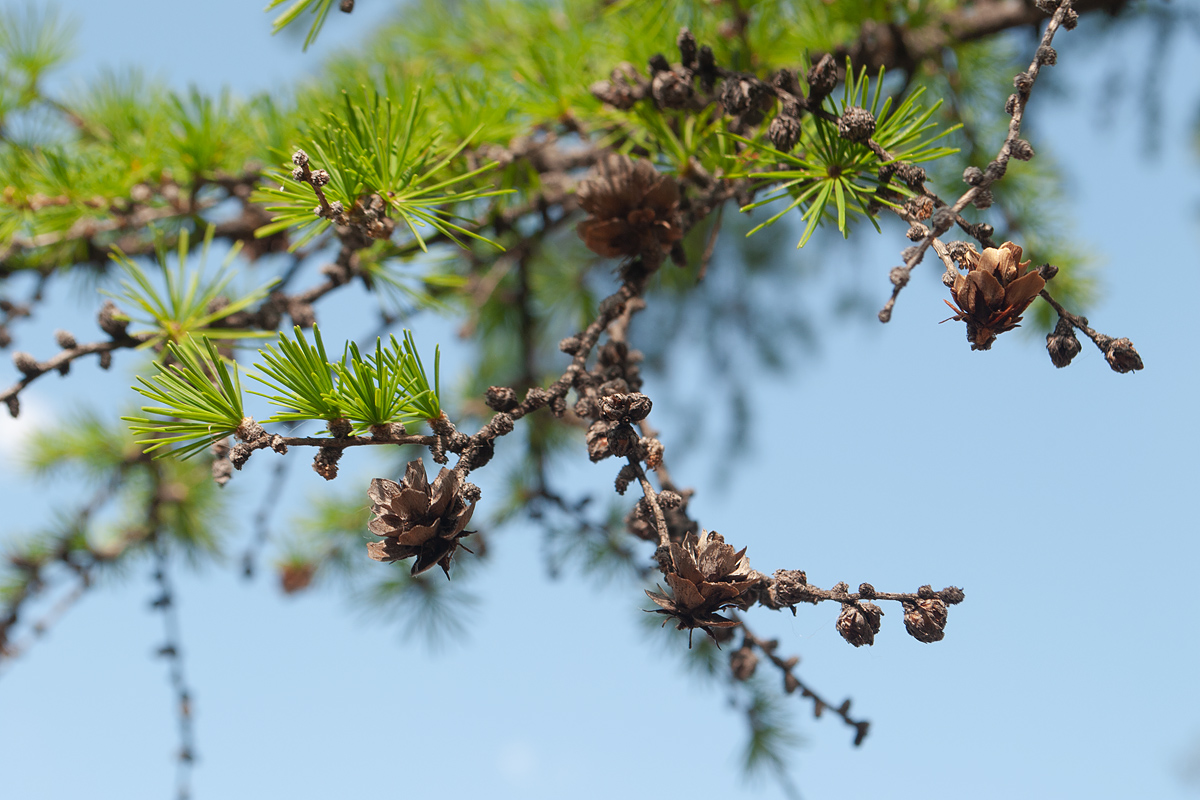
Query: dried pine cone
(856, 124)
(707, 575)
(742, 663)
(1122, 356)
(679, 524)
(784, 130)
(633, 210)
(994, 293)
(623, 89)
(1062, 344)
(822, 77)
(926, 620)
(418, 519)
(859, 622)
(296, 576)
(671, 89)
(597, 440)
(629, 407)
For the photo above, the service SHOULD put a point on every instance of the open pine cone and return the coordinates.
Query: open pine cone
(994, 293)
(418, 519)
(707, 576)
(633, 210)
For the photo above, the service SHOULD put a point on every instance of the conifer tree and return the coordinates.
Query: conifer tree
(542, 172)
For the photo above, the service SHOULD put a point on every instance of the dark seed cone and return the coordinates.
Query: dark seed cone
(994, 293)
(856, 124)
(1062, 344)
(707, 576)
(418, 519)
(672, 90)
(742, 663)
(926, 620)
(686, 42)
(296, 577)
(1122, 356)
(784, 130)
(597, 440)
(113, 320)
(822, 77)
(859, 622)
(630, 407)
(679, 524)
(625, 88)
(633, 210)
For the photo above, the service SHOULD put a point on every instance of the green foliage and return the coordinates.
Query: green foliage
(703, 659)
(111, 523)
(128, 115)
(202, 129)
(602, 549)
(33, 39)
(435, 609)
(43, 195)
(377, 148)
(186, 307)
(389, 386)
(304, 377)
(200, 396)
(683, 139)
(329, 533)
(771, 734)
(318, 8)
(788, 27)
(407, 280)
(192, 516)
(1075, 286)
(832, 177)
(83, 442)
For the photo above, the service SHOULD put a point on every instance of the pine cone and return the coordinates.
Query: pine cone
(994, 293)
(926, 620)
(742, 663)
(859, 622)
(1062, 344)
(418, 519)
(1122, 356)
(296, 576)
(634, 210)
(707, 576)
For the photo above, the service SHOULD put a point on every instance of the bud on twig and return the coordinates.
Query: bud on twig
(1121, 355)
(856, 124)
(113, 320)
(26, 363)
(822, 77)
(501, 398)
(1062, 344)
(742, 663)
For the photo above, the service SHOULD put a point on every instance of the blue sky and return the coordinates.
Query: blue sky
(1062, 501)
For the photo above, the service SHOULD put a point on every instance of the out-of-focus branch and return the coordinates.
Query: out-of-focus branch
(791, 683)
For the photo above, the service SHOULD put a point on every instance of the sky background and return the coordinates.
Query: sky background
(1062, 501)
